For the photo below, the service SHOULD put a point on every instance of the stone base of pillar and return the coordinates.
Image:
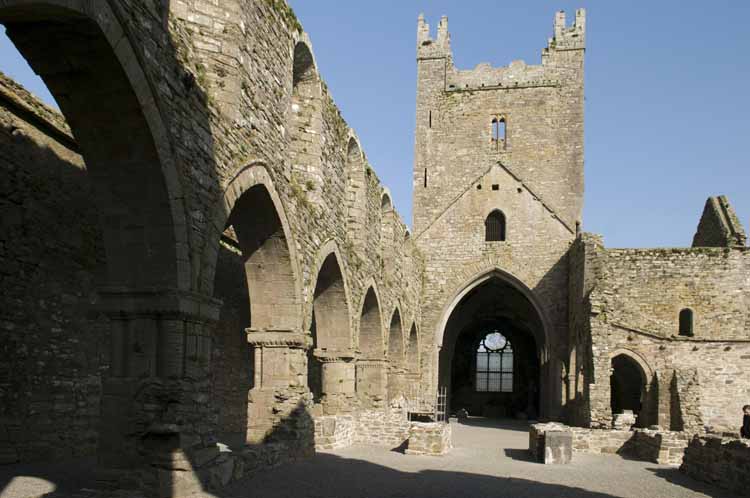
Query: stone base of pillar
(338, 381)
(372, 383)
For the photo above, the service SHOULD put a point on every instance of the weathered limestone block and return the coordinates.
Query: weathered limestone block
(429, 438)
(372, 382)
(623, 421)
(334, 431)
(338, 381)
(551, 443)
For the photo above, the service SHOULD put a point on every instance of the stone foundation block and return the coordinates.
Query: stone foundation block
(429, 438)
(551, 443)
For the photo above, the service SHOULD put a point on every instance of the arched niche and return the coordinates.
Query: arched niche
(356, 193)
(371, 327)
(330, 307)
(396, 340)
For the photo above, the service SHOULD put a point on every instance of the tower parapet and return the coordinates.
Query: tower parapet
(427, 48)
(569, 38)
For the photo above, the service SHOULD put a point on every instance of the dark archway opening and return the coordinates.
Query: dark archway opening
(626, 384)
(255, 281)
(482, 386)
(330, 321)
(492, 381)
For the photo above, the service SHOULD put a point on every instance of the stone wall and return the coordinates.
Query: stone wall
(628, 301)
(722, 462)
(201, 102)
(55, 346)
(388, 427)
(533, 175)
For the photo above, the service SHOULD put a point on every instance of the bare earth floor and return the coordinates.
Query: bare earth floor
(489, 458)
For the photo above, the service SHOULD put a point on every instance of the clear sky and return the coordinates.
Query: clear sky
(667, 101)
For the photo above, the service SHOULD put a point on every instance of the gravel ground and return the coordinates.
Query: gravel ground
(489, 458)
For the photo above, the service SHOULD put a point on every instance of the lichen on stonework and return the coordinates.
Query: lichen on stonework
(286, 13)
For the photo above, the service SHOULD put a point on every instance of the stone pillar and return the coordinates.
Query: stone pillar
(396, 382)
(338, 381)
(372, 382)
(279, 402)
(156, 412)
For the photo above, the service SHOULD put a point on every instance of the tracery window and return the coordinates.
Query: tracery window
(494, 364)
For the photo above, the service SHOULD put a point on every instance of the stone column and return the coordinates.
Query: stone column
(279, 402)
(156, 413)
(396, 382)
(372, 382)
(338, 381)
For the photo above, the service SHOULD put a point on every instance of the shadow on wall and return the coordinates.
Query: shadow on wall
(291, 440)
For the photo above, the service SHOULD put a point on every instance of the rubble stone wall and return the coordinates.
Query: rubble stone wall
(719, 461)
(54, 346)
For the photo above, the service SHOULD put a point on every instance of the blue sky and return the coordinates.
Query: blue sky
(667, 105)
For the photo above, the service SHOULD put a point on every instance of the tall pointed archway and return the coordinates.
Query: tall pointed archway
(493, 359)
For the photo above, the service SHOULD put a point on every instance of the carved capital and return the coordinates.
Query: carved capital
(289, 338)
(335, 356)
(125, 304)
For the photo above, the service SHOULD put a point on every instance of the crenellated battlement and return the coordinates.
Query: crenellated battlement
(518, 74)
(427, 48)
(569, 38)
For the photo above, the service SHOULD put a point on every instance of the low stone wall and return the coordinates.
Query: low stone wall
(723, 462)
(334, 431)
(429, 438)
(662, 447)
(598, 441)
(389, 428)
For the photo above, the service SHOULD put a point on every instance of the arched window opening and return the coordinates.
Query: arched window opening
(495, 227)
(494, 369)
(686, 322)
(498, 130)
(303, 69)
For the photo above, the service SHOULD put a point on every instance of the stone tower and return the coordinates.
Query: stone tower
(498, 190)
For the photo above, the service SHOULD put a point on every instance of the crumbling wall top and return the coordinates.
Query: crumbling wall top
(719, 225)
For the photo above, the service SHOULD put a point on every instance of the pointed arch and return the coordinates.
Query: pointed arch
(371, 326)
(412, 350)
(356, 192)
(647, 373)
(304, 68)
(331, 303)
(252, 209)
(84, 55)
(477, 279)
(396, 338)
(305, 120)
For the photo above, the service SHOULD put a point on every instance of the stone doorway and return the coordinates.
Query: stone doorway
(492, 357)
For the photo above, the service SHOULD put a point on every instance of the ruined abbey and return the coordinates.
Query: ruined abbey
(202, 275)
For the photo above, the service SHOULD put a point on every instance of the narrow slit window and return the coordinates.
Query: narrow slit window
(430, 120)
(494, 227)
(425, 178)
(686, 322)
